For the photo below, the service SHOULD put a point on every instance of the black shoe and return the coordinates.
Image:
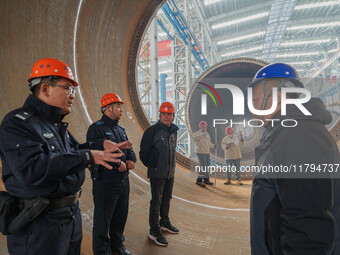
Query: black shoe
(158, 238)
(200, 184)
(209, 183)
(168, 227)
(122, 250)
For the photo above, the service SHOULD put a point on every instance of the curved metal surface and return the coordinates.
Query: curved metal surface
(100, 39)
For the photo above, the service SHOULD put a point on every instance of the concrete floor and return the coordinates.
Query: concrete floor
(99, 40)
(212, 220)
(203, 230)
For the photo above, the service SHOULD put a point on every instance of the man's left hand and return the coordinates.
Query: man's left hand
(110, 145)
(125, 145)
(130, 164)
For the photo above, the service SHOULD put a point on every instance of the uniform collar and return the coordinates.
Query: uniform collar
(172, 129)
(51, 113)
(107, 120)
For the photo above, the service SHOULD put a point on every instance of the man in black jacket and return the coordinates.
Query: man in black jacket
(291, 211)
(41, 159)
(111, 189)
(157, 152)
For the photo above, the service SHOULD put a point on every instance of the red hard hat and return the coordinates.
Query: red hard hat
(203, 123)
(229, 130)
(110, 98)
(51, 67)
(167, 107)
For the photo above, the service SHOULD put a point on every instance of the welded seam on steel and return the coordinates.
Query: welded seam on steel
(75, 63)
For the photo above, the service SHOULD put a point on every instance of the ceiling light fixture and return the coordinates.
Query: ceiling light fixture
(241, 51)
(236, 21)
(315, 5)
(235, 39)
(305, 42)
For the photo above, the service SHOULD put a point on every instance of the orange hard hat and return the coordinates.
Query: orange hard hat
(203, 123)
(229, 130)
(167, 107)
(110, 98)
(51, 67)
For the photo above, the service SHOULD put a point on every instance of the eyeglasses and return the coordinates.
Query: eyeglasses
(71, 91)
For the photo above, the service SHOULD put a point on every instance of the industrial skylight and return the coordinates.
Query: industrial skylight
(236, 21)
(300, 63)
(315, 5)
(305, 42)
(232, 53)
(207, 2)
(318, 25)
(241, 38)
(287, 55)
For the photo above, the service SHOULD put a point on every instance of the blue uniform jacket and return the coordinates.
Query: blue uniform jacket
(108, 129)
(39, 155)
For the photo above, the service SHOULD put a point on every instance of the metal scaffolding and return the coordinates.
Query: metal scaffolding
(170, 77)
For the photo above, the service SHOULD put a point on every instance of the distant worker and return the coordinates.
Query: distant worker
(231, 145)
(157, 152)
(111, 188)
(43, 165)
(203, 146)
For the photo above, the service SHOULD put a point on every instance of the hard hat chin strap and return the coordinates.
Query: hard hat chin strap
(266, 97)
(114, 115)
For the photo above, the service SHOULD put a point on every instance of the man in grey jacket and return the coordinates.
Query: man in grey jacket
(157, 152)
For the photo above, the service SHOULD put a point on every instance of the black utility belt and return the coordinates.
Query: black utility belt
(54, 203)
(15, 213)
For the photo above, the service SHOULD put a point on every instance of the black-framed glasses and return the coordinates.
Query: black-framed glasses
(71, 91)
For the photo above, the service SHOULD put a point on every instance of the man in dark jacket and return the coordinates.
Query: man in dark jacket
(111, 189)
(157, 152)
(41, 159)
(291, 211)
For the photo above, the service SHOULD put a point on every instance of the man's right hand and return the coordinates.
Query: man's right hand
(102, 157)
(122, 167)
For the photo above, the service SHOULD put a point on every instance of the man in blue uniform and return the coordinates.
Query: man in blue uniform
(111, 188)
(40, 158)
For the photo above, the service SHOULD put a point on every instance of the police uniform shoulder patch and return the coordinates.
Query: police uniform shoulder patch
(24, 115)
(99, 122)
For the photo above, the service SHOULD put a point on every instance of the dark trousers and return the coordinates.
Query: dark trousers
(54, 232)
(204, 160)
(111, 206)
(161, 193)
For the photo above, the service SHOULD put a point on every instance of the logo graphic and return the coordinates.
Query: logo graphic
(204, 97)
(238, 102)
